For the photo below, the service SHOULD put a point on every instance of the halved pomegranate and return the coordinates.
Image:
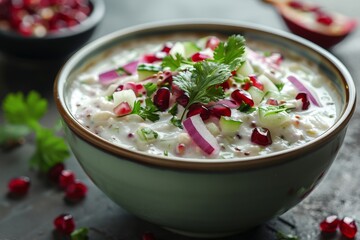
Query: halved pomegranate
(311, 22)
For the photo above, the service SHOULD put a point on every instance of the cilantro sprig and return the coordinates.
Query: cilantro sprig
(201, 84)
(147, 112)
(231, 52)
(22, 114)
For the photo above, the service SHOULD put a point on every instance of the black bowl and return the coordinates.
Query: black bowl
(55, 45)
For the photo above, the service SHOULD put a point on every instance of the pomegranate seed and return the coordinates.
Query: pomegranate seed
(198, 57)
(64, 223)
(348, 227)
(240, 96)
(162, 98)
(272, 101)
(296, 5)
(212, 42)
(180, 149)
(198, 109)
(66, 178)
(219, 110)
(122, 109)
(19, 186)
(167, 47)
(140, 89)
(148, 236)
(150, 58)
(183, 100)
(226, 85)
(304, 100)
(261, 136)
(246, 85)
(75, 191)
(256, 83)
(55, 171)
(324, 19)
(329, 224)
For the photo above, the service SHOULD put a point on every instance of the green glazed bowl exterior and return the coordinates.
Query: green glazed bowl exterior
(207, 198)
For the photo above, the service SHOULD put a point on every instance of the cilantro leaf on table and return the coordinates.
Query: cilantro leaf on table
(80, 234)
(231, 52)
(27, 110)
(50, 150)
(147, 112)
(282, 236)
(201, 84)
(10, 132)
(22, 114)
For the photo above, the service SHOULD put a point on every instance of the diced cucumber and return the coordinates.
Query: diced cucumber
(268, 84)
(256, 94)
(146, 134)
(190, 49)
(229, 126)
(272, 116)
(201, 43)
(213, 128)
(146, 70)
(127, 95)
(245, 70)
(178, 48)
(185, 49)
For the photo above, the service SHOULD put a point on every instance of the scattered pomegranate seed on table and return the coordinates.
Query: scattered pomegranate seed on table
(66, 178)
(348, 227)
(75, 191)
(148, 236)
(330, 224)
(55, 171)
(19, 186)
(64, 223)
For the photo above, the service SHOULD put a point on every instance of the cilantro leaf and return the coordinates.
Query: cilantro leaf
(147, 112)
(174, 110)
(280, 86)
(269, 110)
(231, 52)
(19, 109)
(201, 83)
(9, 132)
(173, 62)
(50, 150)
(176, 122)
(282, 236)
(80, 234)
(150, 88)
(246, 108)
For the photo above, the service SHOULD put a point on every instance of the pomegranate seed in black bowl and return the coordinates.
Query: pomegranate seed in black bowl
(47, 29)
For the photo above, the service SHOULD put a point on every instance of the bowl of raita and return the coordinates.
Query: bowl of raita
(207, 128)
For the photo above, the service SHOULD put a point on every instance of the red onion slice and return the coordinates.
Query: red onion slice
(131, 67)
(302, 88)
(108, 77)
(111, 75)
(201, 136)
